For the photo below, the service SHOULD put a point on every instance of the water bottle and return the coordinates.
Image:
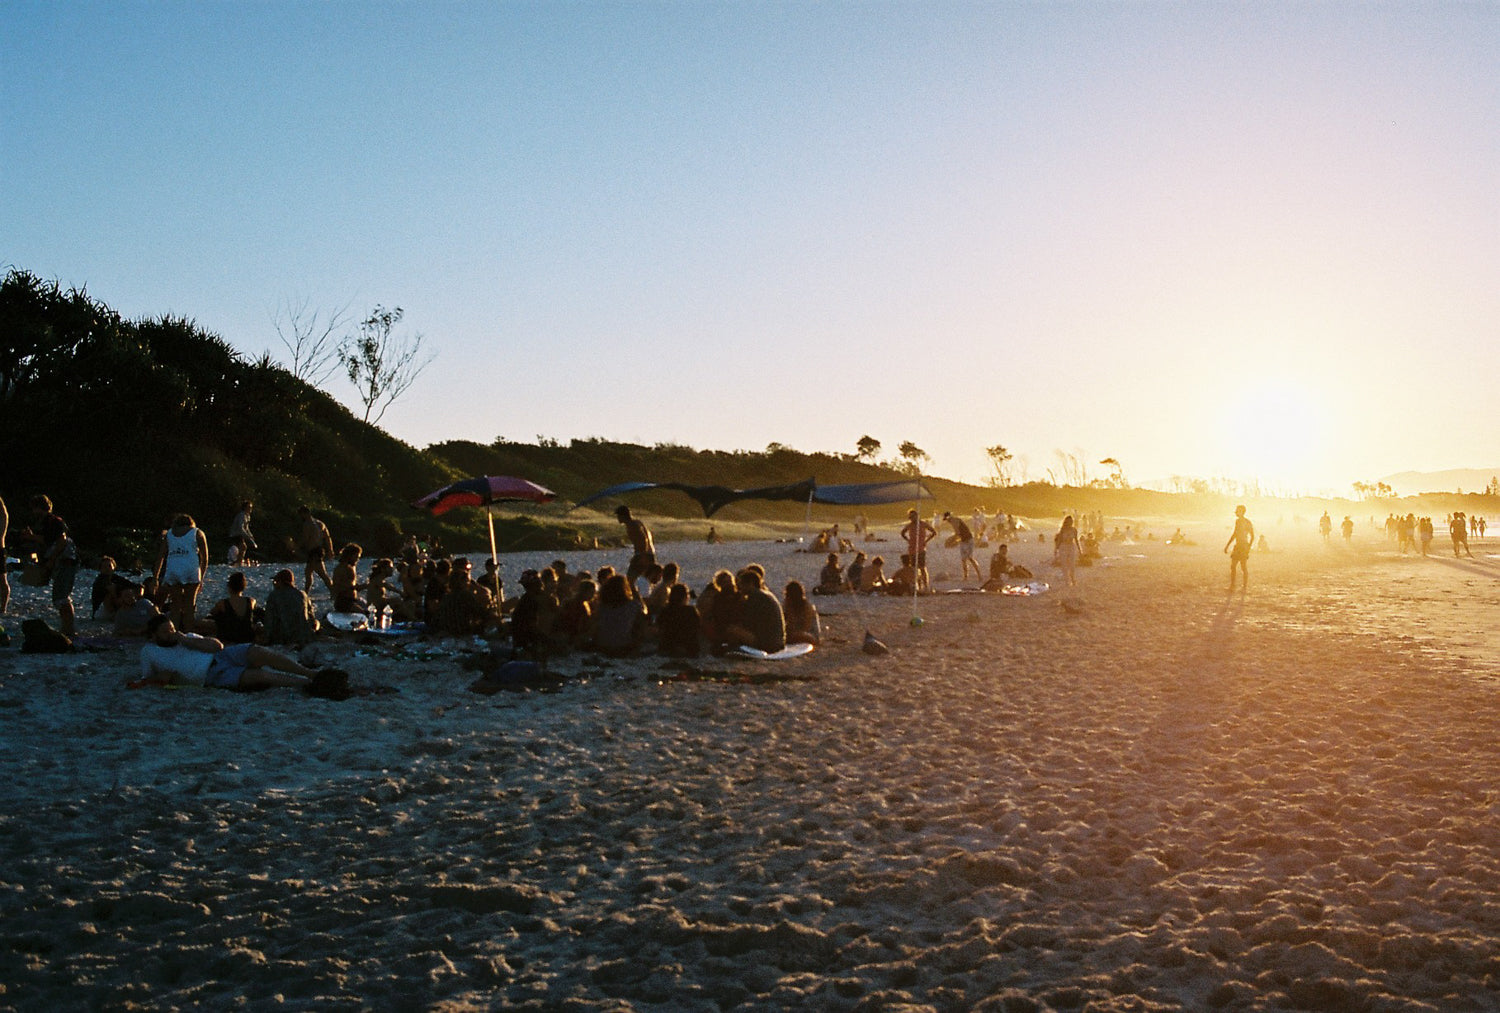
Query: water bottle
(374, 617)
(385, 617)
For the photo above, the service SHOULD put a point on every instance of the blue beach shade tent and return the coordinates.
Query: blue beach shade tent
(713, 497)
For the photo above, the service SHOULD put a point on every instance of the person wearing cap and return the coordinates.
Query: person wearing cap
(965, 536)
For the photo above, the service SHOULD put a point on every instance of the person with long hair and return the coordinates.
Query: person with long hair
(802, 624)
(1065, 550)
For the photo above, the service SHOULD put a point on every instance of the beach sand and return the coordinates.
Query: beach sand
(1139, 795)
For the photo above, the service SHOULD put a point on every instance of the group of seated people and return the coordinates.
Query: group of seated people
(286, 617)
(608, 613)
(864, 576)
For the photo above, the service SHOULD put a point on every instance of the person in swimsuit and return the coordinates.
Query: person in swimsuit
(317, 543)
(640, 540)
(917, 534)
(1240, 541)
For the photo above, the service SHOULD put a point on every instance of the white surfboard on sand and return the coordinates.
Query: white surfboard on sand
(789, 651)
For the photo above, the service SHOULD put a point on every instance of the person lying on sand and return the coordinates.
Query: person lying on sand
(171, 658)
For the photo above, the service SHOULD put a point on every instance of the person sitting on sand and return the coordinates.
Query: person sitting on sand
(346, 585)
(679, 626)
(233, 618)
(173, 658)
(134, 612)
(902, 583)
(104, 597)
(290, 616)
(761, 623)
(379, 592)
(620, 622)
(534, 621)
(575, 621)
(874, 579)
(1002, 568)
(802, 623)
(831, 577)
(439, 572)
(466, 608)
(855, 575)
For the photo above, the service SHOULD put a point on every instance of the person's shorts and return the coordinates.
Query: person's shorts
(63, 576)
(966, 549)
(639, 564)
(228, 665)
(1239, 554)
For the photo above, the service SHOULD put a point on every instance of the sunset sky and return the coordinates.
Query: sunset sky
(1210, 239)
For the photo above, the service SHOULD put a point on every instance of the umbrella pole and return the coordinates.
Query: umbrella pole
(489, 516)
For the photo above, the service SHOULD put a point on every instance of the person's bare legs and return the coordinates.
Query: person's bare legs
(264, 659)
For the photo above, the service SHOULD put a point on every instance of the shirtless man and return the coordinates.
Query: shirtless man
(640, 540)
(314, 540)
(1242, 539)
(917, 534)
(965, 537)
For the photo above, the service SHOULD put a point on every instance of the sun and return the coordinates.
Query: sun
(1274, 430)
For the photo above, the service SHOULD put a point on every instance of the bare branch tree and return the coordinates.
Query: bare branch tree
(381, 366)
(999, 460)
(309, 338)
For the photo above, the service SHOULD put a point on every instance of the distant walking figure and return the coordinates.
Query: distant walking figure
(1240, 541)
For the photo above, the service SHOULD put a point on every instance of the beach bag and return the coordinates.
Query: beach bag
(39, 638)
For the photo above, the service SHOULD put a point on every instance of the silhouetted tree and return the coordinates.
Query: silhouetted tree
(310, 339)
(380, 365)
(866, 448)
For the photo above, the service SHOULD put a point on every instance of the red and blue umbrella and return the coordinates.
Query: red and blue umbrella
(485, 491)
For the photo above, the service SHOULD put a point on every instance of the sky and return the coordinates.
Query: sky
(1255, 241)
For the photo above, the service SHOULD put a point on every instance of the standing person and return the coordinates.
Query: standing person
(1065, 549)
(181, 562)
(917, 534)
(1347, 528)
(240, 537)
(1325, 527)
(317, 543)
(640, 540)
(965, 536)
(59, 558)
(1458, 529)
(1240, 540)
(4, 582)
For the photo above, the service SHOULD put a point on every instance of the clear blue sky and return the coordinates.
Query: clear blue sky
(1212, 239)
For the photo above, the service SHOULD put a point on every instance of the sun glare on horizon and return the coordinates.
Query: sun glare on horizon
(1276, 431)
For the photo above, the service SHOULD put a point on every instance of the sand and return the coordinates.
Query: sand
(1139, 795)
